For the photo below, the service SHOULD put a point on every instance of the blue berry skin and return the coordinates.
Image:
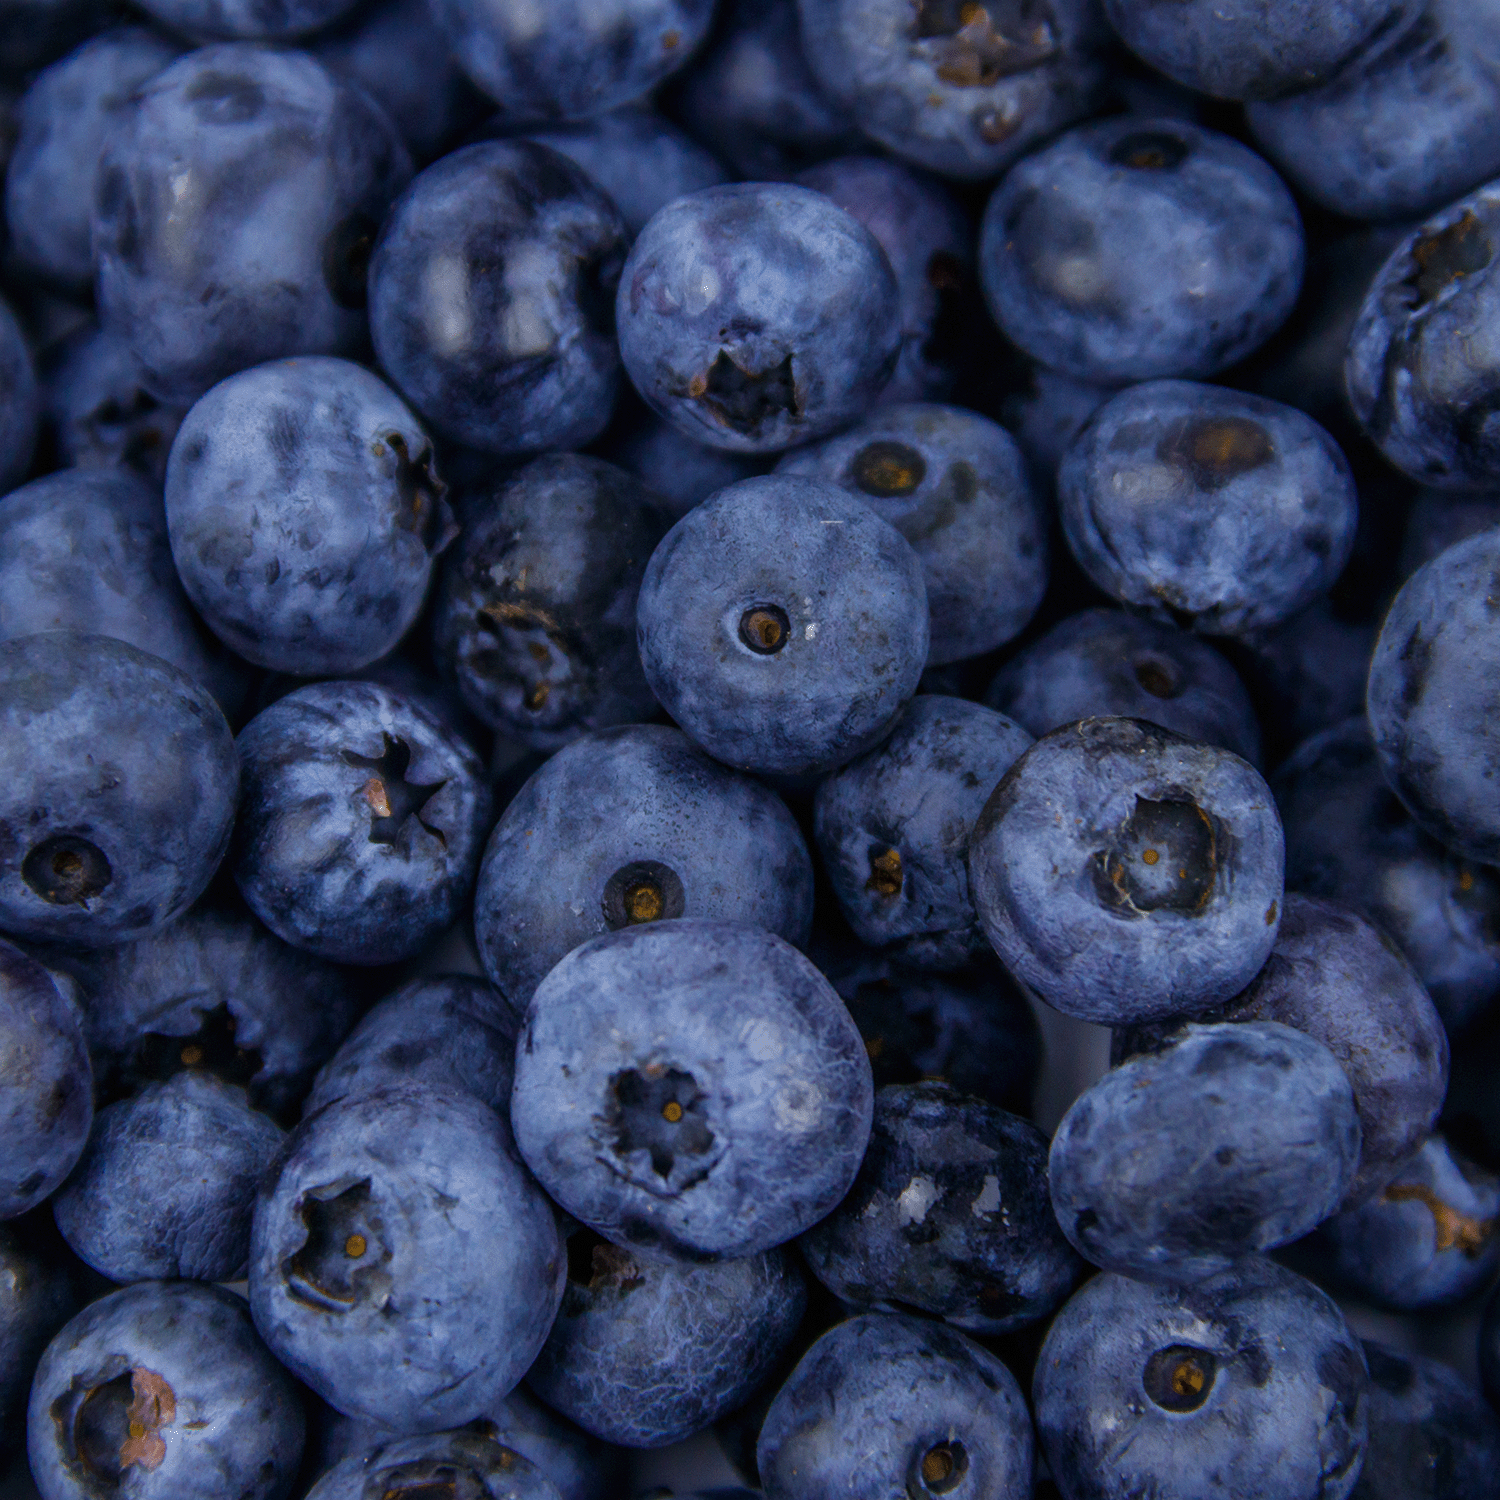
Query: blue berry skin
(1431, 1435)
(66, 116)
(362, 823)
(1232, 1140)
(783, 625)
(1429, 1239)
(640, 160)
(893, 828)
(179, 1361)
(248, 20)
(1248, 1387)
(952, 91)
(1046, 414)
(630, 826)
(402, 1262)
(950, 1216)
(680, 472)
(757, 316)
(1217, 509)
(955, 485)
(644, 1354)
(888, 1408)
(1405, 126)
(294, 171)
(491, 299)
(447, 1029)
(1419, 373)
(1103, 663)
(306, 514)
(1060, 875)
(119, 790)
(437, 1463)
(928, 240)
(19, 401)
(1140, 249)
(37, 1297)
(46, 1102)
(167, 1183)
(692, 1090)
(536, 613)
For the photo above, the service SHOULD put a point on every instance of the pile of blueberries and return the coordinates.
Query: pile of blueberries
(768, 729)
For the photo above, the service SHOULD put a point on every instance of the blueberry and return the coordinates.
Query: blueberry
(680, 472)
(1137, 249)
(630, 826)
(1127, 874)
(305, 515)
(644, 1354)
(893, 828)
(963, 92)
(402, 1263)
(292, 172)
(1044, 416)
(492, 298)
(955, 485)
(757, 316)
(19, 401)
(1248, 1387)
(691, 1089)
(120, 787)
(66, 116)
(248, 20)
(1103, 663)
(362, 822)
(437, 1464)
(37, 1297)
(892, 1408)
(167, 1183)
(162, 1389)
(783, 625)
(537, 607)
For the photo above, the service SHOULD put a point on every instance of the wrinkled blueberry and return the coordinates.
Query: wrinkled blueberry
(436, 1466)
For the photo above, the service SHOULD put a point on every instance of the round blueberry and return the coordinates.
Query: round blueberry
(438, 1464)
(19, 402)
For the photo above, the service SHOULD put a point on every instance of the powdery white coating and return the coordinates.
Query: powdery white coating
(437, 1462)
(19, 403)
(767, 1072)
(459, 1270)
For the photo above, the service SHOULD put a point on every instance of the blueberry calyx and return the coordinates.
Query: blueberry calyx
(392, 798)
(1447, 256)
(886, 469)
(66, 870)
(765, 629)
(982, 48)
(1149, 151)
(344, 1251)
(1165, 857)
(886, 874)
(643, 891)
(940, 1470)
(1180, 1378)
(116, 1425)
(424, 505)
(745, 401)
(657, 1109)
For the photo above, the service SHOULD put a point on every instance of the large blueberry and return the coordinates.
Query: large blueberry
(1136, 249)
(893, 828)
(894, 1408)
(162, 1391)
(292, 171)
(37, 1296)
(692, 1089)
(758, 315)
(955, 485)
(783, 625)
(536, 615)
(120, 781)
(403, 1263)
(492, 294)
(1125, 873)
(362, 823)
(1248, 1387)
(437, 1464)
(19, 403)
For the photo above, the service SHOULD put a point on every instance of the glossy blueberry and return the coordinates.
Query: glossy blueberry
(167, 1183)
(955, 485)
(403, 1264)
(680, 472)
(644, 1354)
(893, 828)
(1127, 874)
(362, 822)
(163, 1390)
(1137, 249)
(691, 1089)
(1220, 510)
(958, 91)
(19, 401)
(757, 316)
(630, 826)
(1439, 518)
(536, 615)
(305, 515)
(492, 298)
(894, 1408)
(1104, 663)
(119, 789)
(37, 1297)
(471, 1464)
(1247, 1387)
(783, 625)
(293, 170)
(66, 116)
